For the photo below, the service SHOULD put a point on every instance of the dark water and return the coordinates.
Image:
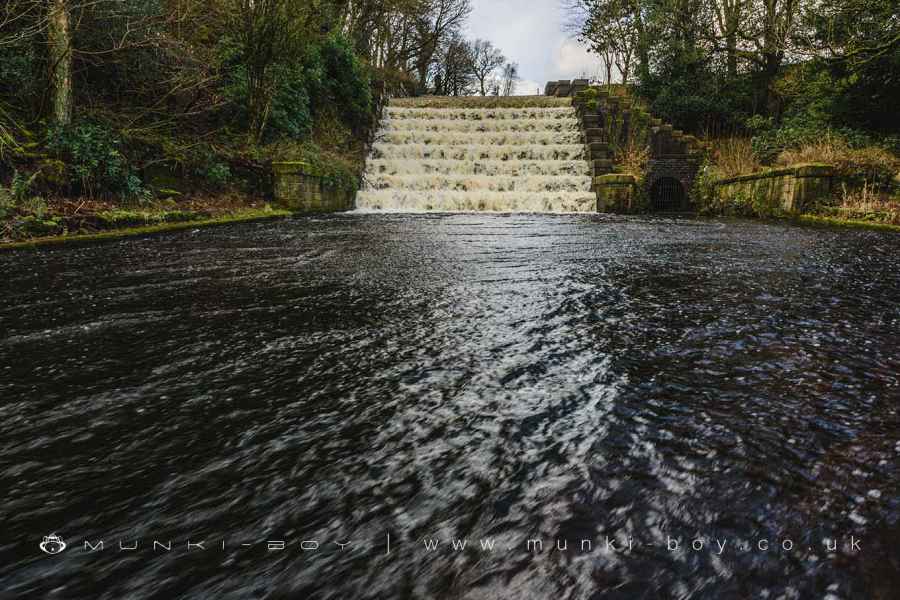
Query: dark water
(501, 378)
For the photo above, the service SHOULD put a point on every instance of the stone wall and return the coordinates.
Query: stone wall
(297, 188)
(789, 190)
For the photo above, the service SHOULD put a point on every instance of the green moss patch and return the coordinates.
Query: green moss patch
(821, 221)
(160, 227)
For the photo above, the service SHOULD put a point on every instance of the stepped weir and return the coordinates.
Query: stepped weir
(522, 154)
(564, 151)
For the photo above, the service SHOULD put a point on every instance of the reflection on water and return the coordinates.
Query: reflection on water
(439, 377)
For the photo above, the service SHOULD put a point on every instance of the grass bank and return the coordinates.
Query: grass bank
(243, 216)
(837, 222)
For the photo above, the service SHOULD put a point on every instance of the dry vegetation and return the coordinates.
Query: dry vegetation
(632, 158)
(872, 163)
(869, 203)
(734, 156)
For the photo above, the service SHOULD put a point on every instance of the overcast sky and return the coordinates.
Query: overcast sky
(529, 32)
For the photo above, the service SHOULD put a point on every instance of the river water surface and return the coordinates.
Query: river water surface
(593, 396)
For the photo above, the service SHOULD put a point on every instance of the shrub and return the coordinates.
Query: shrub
(872, 163)
(20, 73)
(35, 206)
(632, 157)
(769, 141)
(20, 186)
(290, 116)
(330, 78)
(704, 190)
(94, 160)
(338, 79)
(801, 131)
(215, 172)
(32, 225)
(7, 203)
(291, 112)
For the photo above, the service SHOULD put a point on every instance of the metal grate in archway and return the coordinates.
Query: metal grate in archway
(667, 195)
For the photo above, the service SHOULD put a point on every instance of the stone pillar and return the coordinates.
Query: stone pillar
(616, 193)
(297, 188)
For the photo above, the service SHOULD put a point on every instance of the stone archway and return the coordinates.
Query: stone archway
(667, 194)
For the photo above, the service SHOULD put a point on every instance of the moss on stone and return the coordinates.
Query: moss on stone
(836, 222)
(115, 234)
(292, 167)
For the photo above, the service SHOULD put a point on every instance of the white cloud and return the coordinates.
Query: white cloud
(530, 33)
(526, 87)
(573, 61)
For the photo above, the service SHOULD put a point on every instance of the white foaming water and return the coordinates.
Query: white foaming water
(478, 159)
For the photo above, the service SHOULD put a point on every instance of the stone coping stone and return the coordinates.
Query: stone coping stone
(804, 170)
(295, 167)
(813, 170)
(480, 102)
(615, 179)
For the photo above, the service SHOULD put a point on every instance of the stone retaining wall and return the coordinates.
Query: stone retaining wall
(788, 190)
(297, 188)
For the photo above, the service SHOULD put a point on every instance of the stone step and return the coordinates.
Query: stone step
(602, 166)
(591, 121)
(598, 150)
(477, 152)
(459, 182)
(468, 138)
(594, 134)
(443, 200)
(517, 168)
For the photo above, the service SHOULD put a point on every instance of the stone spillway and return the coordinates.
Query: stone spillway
(521, 154)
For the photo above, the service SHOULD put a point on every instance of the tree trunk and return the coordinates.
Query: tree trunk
(59, 38)
(260, 102)
(731, 48)
(770, 73)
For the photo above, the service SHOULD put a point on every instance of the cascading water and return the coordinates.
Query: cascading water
(457, 158)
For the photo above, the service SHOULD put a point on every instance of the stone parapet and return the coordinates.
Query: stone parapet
(787, 190)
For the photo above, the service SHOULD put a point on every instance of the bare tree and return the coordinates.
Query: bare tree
(611, 28)
(403, 38)
(85, 34)
(453, 68)
(617, 30)
(486, 59)
(729, 18)
(510, 79)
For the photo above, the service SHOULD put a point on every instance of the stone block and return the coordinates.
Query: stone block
(616, 192)
(297, 188)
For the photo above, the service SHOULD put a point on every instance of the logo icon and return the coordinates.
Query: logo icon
(53, 544)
